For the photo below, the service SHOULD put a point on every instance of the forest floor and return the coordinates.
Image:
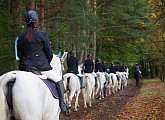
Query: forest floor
(146, 102)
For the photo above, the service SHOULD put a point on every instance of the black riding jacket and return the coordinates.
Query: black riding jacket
(98, 67)
(36, 53)
(72, 64)
(88, 66)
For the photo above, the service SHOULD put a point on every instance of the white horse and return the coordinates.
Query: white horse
(100, 84)
(72, 85)
(119, 78)
(32, 99)
(89, 83)
(113, 83)
(124, 81)
(125, 77)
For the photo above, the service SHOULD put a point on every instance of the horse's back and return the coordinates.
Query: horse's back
(90, 77)
(72, 80)
(101, 78)
(31, 98)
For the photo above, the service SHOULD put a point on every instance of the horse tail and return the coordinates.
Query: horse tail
(88, 89)
(66, 82)
(4, 79)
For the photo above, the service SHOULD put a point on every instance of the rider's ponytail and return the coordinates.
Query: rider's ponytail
(28, 34)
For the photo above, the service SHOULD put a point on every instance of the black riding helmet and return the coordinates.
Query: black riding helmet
(72, 52)
(89, 56)
(31, 17)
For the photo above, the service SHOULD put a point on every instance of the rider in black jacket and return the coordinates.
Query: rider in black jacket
(98, 66)
(72, 63)
(88, 64)
(34, 50)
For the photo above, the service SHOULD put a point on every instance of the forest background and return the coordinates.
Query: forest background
(125, 31)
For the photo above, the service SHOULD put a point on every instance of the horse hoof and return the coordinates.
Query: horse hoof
(78, 106)
(75, 110)
(68, 112)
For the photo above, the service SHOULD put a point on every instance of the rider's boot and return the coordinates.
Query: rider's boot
(81, 82)
(61, 90)
(96, 82)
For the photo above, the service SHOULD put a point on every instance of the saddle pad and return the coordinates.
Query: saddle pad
(52, 87)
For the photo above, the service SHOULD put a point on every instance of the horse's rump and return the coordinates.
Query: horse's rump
(32, 99)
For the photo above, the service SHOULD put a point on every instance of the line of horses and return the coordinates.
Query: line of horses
(107, 84)
(31, 99)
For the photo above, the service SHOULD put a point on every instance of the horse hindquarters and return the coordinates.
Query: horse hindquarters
(3, 113)
(89, 82)
(101, 81)
(71, 82)
(4, 79)
(32, 99)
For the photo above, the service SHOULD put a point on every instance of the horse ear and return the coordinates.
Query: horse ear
(64, 56)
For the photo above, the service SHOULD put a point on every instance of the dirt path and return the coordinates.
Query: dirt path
(105, 109)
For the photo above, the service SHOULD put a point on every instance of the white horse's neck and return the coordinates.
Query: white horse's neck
(56, 64)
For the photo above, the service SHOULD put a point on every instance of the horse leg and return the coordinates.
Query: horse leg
(102, 92)
(66, 97)
(93, 93)
(90, 104)
(70, 98)
(97, 90)
(126, 83)
(76, 101)
(85, 97)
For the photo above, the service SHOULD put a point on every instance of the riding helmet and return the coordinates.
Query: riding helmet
(72, 52)
(31, 17)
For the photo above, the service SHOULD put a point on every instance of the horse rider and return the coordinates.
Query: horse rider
(98, 66)
(121, 68)
(112, 68)
(105, 70)
(88, 65)
(34, 51)
(118, 67)
(72, 65)
(137, 73)
(104, 67)
(125, 68)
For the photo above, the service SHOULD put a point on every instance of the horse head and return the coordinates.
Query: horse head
(64, 56)
(56, 64)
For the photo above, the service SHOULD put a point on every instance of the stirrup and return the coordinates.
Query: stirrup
(82, 87)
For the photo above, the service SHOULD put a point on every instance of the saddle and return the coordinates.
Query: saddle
(50, 84)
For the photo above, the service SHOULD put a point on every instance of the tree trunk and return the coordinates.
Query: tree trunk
(88, 6)
(30, 5)
(42, 14)
(81, 57)
(94, 34)
(15, 10)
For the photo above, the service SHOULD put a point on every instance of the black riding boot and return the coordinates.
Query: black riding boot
(61, 90)
(96, 82)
